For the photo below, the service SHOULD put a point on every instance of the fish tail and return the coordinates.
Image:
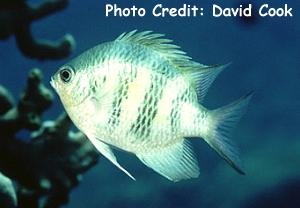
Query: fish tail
(221, 123)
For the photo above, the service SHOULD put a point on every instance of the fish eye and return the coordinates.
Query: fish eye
(66, 74)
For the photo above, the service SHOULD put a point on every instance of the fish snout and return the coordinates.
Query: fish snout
(53, 83)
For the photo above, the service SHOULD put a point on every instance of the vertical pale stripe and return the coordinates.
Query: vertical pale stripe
(188, 119)
(137, 89)
(171, 91)
(107, 92)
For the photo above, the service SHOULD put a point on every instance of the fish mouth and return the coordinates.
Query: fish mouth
(52, 83)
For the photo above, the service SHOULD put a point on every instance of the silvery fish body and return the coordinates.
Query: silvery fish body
(141, 94)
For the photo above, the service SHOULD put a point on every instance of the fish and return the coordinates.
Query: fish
(142, 94)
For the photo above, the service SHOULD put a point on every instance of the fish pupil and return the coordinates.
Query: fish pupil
(65, 75)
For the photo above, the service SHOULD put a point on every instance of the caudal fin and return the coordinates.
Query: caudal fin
(223, 120)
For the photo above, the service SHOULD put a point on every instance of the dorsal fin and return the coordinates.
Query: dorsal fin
(200, 75)
(164, 46)
(201, 79)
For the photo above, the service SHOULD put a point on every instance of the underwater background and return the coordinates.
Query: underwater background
(265, 57)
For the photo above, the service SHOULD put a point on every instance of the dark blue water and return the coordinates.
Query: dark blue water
(265, 56)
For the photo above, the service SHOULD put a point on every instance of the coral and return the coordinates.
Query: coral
(45, 159)
(8, 196)
(16, 17)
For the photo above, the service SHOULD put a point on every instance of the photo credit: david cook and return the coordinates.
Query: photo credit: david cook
(185, 10)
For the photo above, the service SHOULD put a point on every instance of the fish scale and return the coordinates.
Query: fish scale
(142, 94)
(122, 93)
(147, 111)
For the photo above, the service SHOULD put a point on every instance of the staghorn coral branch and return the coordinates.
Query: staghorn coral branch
(16, 17)
(26, 115)
(49, 163)
(6, 100)
(46, 8)
(8, 198)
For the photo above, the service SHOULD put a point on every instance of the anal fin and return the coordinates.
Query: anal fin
(175, 162)
(106, 151)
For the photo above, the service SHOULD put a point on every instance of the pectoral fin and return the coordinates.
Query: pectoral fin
(175, 162)
(106, 151)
